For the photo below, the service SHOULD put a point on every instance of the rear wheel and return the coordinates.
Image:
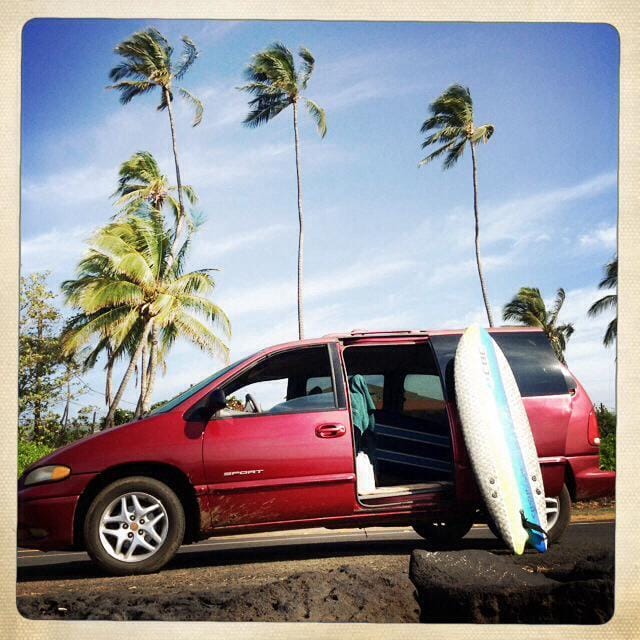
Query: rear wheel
(558, 516)
(134, 525)
(444, 531)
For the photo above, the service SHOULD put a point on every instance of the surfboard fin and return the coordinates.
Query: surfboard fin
(533, 527)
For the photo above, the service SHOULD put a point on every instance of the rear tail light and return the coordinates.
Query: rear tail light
(593, 430)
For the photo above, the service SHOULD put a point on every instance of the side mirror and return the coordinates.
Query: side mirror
(215, 401)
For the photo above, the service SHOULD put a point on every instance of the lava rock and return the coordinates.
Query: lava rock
(479, 586)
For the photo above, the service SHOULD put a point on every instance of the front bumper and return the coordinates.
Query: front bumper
(590, 480)
(46, 523)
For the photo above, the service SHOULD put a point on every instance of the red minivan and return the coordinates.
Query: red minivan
(268, 443)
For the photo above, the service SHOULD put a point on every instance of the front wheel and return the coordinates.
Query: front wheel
(134, 525)
(445, 531)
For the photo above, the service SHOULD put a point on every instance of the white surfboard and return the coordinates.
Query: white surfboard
(499, 441)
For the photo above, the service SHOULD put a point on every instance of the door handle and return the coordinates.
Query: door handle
(330, 430)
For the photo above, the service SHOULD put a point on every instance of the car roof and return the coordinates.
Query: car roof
(364, 333)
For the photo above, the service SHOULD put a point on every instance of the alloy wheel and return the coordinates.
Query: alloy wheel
(553, 512)
(133, 527)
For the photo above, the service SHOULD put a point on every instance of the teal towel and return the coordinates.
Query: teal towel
(362, 406)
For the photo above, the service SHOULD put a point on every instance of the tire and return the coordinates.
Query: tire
(561, 521)
(150, 507)
(444, 532)
(564, 515)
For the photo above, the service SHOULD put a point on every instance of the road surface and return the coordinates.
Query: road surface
(316, 574)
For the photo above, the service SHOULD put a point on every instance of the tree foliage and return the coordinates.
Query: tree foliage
(450, 127)
(608, 302)
(528, 307)
(46, 375)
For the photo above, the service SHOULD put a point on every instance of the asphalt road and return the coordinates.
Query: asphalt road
(36, 565)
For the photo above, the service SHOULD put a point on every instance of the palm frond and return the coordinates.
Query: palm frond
(445, 134)
(264, 109)
(611, 333)
(482, 134)
(610, 281)
(437, 153)
(129, 89)
(557, 305)
(308, 62)
(454, 154)
(189, 55)
(318, 115)
(198, 333)
(605, 303)
(197, 105)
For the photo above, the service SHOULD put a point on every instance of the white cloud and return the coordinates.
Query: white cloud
(282, 294)
(79, 185)
(518, 217)
(602, 238)
(48, 251)
(205, 249)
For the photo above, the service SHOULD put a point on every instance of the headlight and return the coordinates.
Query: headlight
(47, 474)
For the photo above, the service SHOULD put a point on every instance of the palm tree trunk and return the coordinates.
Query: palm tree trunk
(127, 375)
(109, 381)
(301, 223)
(153, 366)
(143, 382)
(181, 217)
(65, 414)
(483, 286)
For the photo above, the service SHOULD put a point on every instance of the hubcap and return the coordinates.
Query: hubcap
(553, 511)
(133, 527)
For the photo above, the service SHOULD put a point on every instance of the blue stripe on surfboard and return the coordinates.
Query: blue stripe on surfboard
(520, 470)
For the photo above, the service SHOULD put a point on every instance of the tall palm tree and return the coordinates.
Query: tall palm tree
(610, 301)
(276, 83)
(527, 307)
(126, 284)
(450, 124)
(148, 64)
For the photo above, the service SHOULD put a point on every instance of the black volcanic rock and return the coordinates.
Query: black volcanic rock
(479, 586)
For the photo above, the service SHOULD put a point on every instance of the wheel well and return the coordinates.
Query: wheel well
(570, 481)
(171, 476)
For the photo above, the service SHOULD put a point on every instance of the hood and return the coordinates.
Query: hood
(93, 441)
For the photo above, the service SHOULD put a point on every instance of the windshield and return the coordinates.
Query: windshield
(194, 388)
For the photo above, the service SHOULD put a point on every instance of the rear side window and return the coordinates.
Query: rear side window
(422, 395)
(535, 366)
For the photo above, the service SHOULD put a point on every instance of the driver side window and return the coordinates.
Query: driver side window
(284, 383)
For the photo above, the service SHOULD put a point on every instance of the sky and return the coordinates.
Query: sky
(388, 245)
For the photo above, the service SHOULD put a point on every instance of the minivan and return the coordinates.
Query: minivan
(268, 443)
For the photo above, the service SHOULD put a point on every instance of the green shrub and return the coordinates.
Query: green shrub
(608, 452)
(29, 452)
(606, 420)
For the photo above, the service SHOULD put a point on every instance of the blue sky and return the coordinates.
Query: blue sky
(388, 245)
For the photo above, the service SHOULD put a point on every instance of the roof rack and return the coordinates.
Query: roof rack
(365, 332)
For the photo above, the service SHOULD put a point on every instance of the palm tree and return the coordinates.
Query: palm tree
(141, 182)
(276, 83)
(143, 188)
(451, 125)
(126, 285)
(528, 308)
(148, 65)
(610, 301)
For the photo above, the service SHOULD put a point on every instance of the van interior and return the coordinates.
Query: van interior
(409, 444)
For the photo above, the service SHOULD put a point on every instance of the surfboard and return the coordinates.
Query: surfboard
(499, 441)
